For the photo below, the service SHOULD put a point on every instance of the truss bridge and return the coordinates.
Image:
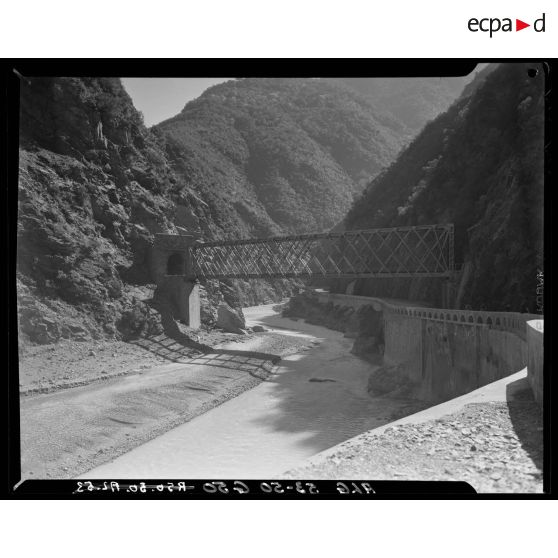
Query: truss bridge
(420, 251)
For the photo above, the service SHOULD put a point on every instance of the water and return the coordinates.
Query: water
(314, 400)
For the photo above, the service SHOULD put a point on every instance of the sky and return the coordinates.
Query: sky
(162, 98)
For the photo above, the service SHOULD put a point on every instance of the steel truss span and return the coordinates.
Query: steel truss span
(422, 251)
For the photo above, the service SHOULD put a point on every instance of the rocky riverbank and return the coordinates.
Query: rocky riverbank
(69, 363)
(364, 324)
(496, 445)
(315, 397)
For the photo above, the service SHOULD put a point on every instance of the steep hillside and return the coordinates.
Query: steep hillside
(255, 158)
(94, 186)
(478, 79)
(479, 166)
(411, 101)
(251, 157)
(280, 155)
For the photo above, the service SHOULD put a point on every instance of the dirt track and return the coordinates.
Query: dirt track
(69, 431)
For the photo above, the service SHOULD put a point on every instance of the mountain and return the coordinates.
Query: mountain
(480, 166)
(248, 158)
(411, 101)
(280, 155)
(483, 70)
(94, 186)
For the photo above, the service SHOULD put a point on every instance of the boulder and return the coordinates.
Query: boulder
(352, 326)
(230, 320)
(258, 329)
(386, 379)
(365, 346)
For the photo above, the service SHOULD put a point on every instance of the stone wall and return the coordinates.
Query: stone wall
(445, 353)
(535, 335)
(453, 352)
(173, 286)
(166, 246)
(183, 299)
(448, 359)
(403, 345)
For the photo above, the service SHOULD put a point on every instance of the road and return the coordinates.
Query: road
(315, 398)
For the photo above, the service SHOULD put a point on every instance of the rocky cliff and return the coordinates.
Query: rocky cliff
(94, 186)
(250, 157)
(480, 166)
(411, 101)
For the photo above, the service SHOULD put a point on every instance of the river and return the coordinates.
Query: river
(314, 399)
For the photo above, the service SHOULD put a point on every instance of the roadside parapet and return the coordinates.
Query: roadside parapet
(447, 352)
(535, 335)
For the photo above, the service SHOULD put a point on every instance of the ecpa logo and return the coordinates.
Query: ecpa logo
(494, 24)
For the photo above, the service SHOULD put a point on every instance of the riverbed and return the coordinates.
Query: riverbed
(314, 399)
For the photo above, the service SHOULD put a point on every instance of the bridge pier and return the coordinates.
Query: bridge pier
(171, 272)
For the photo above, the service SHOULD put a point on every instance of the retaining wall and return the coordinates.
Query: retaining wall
(535, 335)
(447, 353)
(448, 359)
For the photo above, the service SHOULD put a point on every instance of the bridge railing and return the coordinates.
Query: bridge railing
(422, 251)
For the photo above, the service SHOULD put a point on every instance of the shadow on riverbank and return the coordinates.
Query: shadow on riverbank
(177, 346)
(527, 420)
(257, 364)
(322, 393)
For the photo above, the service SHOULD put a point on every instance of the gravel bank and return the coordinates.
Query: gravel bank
(68, 364)
(143, 393)
(496, 446)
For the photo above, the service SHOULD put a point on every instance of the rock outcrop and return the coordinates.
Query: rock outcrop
(94, 186)
(231, 320)
(248, 158)
(364, 325)
(479, 166)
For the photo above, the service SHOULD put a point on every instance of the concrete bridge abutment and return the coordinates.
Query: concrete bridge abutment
(171, 271)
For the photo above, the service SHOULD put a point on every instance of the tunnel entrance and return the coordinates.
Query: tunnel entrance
(175, 264)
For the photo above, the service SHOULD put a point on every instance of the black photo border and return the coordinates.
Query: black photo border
(14, 70)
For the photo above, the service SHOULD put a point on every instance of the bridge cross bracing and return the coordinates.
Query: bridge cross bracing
(420, 251)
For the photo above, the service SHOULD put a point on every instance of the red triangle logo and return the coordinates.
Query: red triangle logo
(519, 25)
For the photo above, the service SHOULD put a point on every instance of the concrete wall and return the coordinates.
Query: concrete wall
(449, 359)
(183, 298)
(403, 345)
(535, 335)
(447, 353)
(180, 293)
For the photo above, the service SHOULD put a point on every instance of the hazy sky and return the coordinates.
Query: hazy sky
(161, 98)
